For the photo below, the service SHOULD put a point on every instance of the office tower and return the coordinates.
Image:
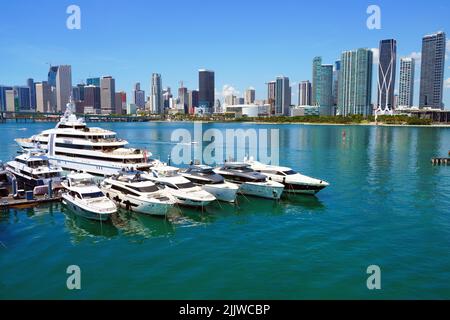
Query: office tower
(63, 86)
(107, 95)
(271, 91)
(250, 96)
(406, 83)
(22, 95)
(229, 100)
(355, 83)
(120, 98)
(325, 86)
(11, 100)
(92, 97)
(156, 101)
(336, 74)
(432, 71)
(218, 107)
(386, 74)
(282, 96)
(183, 99)
(167, 95)
(317, 65)
(192, 101)
(51, 78)
(3, 90)
(30, 85)
(76, 94)
(206, 93)
(138, 96)
(93, 82)
(44, 97)
(304, 93)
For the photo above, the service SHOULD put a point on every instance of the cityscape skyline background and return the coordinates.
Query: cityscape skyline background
(254, 44)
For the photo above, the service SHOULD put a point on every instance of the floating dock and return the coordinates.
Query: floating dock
(11, 202)
(440, 161)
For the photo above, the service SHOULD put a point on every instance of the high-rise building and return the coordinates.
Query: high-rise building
(167, 96)
(271, 91)
(63, 86)
(317, 65)
(192, 101)
(206, 94)
(250, 96)
(52, 76)
(432, 71)
(23, 97)
(304, 93)
(336, 74)
(3, 90)
(355, 83)
(406, 83)
(44, 97)
(120, 102)
(93, 82)
(30, 85)
(107, 95)
(92, 97)
(325, 87)
(156, 94)
(386, 74)
(138, 96)
(12, 101)
(183, 98)
(282, 96)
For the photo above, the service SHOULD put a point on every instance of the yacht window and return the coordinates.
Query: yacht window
(186, 185)
(290, 172)
(146, 189)
(92, 195)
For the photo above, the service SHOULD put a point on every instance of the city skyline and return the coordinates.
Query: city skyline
(235, 70)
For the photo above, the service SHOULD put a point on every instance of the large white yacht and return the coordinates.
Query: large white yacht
(135, 193)
(32, 169)
(182, 189)
(251, 183)
(85, 198)
(293, 181)
(74, 146)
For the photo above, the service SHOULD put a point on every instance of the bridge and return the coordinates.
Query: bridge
(25, 116)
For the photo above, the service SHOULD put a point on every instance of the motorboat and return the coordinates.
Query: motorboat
(212, 182)
(186, 192)
(132, 191)
(250, 182)
(293, 181)
(85, 198)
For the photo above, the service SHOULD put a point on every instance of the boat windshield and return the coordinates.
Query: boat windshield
(186, 185)
(93, 195)
(83, 182)
(242, 169)
(146, 189)
(289, 172)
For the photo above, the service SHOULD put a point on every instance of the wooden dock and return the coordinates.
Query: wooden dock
(11, 202)
(440, 161)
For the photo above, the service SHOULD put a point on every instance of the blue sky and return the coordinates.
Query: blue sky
(245, 42)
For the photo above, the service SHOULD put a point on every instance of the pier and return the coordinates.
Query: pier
(440, 161)
(11, 202)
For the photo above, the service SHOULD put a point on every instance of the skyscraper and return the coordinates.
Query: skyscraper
(3, 90)
(138, 97)
(156, 94)
(107, 95)
(93, 82)
(206, 84)
(63, 86)
(167, 96)
(355, 83)
(271, 90)
(304, 93)
(92, 97)
(406, 90)
(386, 74)
(432, 71)
(317, 65)
(282, 96)
(336, 74)
(12, 101)
(23, 97)
(192, 101)
(44, 97)
(120, 102)
(250, 96)
(30, 85)
(183, 99)
(325, 87)
(52, 76)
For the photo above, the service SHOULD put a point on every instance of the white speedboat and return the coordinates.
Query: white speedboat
(74, 146)
(212, 182)
(33, 170)
(85, 198)
(182, 189)
(293, 181)
(133, 192)
(250, 182)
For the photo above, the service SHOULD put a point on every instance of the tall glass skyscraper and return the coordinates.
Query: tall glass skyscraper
(406, 84)
(355, 83)
(336, 74)
(317, 65)
(304, 93)
(157, 102)
(206, 94)
(432, 71)
(386, 74)
(325, 87)
(282, 96)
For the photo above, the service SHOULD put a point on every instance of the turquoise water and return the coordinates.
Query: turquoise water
(387, 205)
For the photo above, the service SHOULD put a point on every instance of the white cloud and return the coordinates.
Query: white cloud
(447, 83)
(416, 56)
(376, 55)
(229, 90)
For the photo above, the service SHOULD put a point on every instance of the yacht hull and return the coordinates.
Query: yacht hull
(84, 212)
(225, 192)
(137, 205)
(262, 190)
